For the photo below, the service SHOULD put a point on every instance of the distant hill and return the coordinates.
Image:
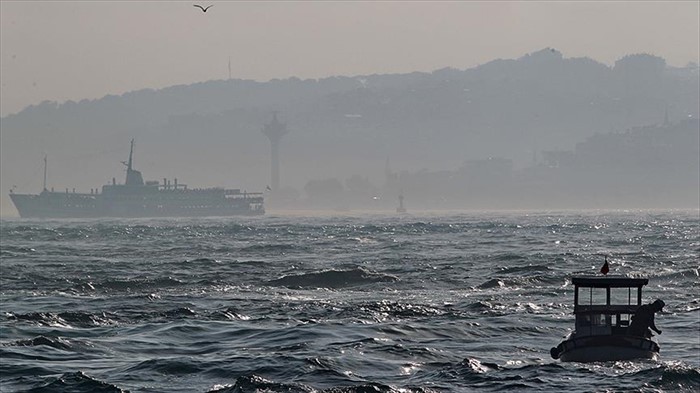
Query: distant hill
(209, 133)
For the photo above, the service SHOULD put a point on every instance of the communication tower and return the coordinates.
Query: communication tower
(274, 131)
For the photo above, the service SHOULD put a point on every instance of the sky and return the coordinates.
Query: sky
(74, 50)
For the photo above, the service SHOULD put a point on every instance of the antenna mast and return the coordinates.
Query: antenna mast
(274, 131)
(45, 172)
(229, 68)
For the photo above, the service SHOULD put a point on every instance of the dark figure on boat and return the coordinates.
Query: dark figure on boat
(643, 319)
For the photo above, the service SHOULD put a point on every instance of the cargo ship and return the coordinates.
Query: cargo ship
(136, 198)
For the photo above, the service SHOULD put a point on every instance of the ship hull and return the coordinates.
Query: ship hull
(57, 205)
(74, 205)
(606, 348)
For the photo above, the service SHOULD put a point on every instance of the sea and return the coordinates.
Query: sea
(422, 302)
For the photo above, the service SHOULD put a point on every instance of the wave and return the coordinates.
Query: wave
(480, 306)
(519, 282)
(76, 382)
(672, 377)
(122, 316)
(144, 283)
(57, 342)
(204, 261)
(479, 375)
(479, 367)
(20, 370)
(177, 313)
(333, 279)
(396, 309)
(254, 383)
(227, 314)
(492, 283)
(524, 270)
(691, 274)
(16, 251)
(65, 319)
(263, 248)
(169, 366)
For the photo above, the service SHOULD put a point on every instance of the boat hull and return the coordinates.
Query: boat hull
(74, 205)
(55, 205)
(605, 348)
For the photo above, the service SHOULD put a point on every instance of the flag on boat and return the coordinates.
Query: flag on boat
(606, 268)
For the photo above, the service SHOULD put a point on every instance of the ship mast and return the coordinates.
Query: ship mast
(133, 177)
(131, 155)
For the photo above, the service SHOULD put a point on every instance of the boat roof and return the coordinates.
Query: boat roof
(609, 281)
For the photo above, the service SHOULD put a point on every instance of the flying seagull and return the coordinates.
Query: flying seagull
(204, 9)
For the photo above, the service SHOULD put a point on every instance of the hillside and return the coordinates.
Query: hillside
(209, 133)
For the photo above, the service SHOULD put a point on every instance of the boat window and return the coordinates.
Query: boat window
(596, 296)
(620, 296)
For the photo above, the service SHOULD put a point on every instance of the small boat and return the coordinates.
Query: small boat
(603, 307)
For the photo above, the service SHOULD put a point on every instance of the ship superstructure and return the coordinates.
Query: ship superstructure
(136, 198)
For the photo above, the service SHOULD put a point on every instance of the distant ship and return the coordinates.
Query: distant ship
(135, 198)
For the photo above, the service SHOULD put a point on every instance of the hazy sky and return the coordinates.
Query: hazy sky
(61, 50)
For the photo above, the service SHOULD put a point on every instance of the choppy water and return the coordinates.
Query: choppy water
(424, 303)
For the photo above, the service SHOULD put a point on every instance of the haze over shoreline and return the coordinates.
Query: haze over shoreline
(452, 105)
(540, 131)
(62, 51)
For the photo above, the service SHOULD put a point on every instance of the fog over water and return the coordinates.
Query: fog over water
(344, 196)
(464, 106)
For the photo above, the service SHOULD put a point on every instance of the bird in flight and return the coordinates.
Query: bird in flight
(204, 9)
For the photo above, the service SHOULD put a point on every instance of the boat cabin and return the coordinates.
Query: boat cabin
(605, 305)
